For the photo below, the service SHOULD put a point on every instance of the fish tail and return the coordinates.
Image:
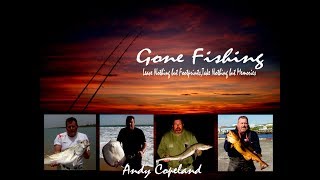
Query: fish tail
(47, 161)
(263, 165)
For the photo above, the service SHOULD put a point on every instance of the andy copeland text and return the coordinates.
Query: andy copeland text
(158, 170)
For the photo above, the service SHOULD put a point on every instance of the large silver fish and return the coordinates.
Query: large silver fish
(113, 153)
(188, 152)
(68, 156)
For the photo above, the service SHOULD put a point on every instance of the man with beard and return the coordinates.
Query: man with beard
(175, 142)
(250, 140)
(134, 143)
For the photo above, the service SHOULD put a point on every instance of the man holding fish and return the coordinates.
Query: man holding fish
(134, 143)
(243, 147)
(175, 142)
(69, 139)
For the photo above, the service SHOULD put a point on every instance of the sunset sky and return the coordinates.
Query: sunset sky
(79, 38)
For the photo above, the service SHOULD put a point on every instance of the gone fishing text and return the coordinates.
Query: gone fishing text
(144, 57)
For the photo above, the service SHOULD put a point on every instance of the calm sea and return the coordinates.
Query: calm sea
(51, 133)
(111, 132)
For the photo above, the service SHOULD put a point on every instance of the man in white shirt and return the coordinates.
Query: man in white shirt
(70, 138)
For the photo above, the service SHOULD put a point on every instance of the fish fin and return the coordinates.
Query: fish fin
(247, 157)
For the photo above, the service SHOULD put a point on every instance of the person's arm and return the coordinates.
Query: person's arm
(162, 149)
(120, 136)
(255, 143)
(143, 149)
(194, 141)
(56, 149)
(143, 143)
(227, 145)
(86, 153)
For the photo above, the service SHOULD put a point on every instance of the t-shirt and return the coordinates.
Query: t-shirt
(132, 140)
(172, 144)
(65, 141)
